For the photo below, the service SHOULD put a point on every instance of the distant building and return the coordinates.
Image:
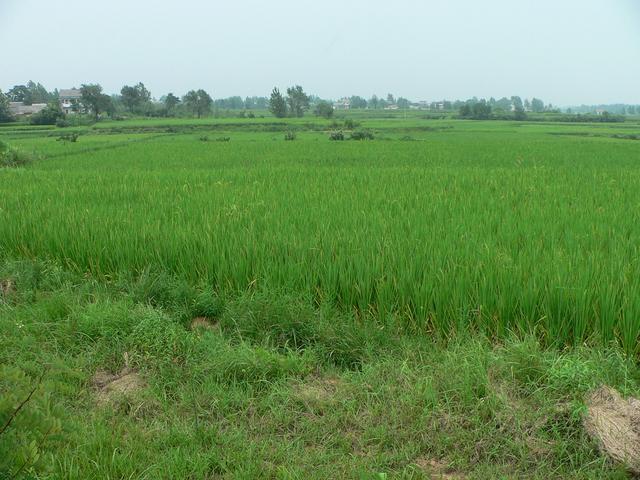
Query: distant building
(393, 106)
(70, 100)
(342, 104)
(19, 108)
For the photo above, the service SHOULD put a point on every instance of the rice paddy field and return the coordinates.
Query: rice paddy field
(432, 303)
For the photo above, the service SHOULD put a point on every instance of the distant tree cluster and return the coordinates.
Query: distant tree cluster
(136, 97)
(198, 101)
(480, 110)
(95, 101)
(295, 104)
(613, 109)
(31, 93)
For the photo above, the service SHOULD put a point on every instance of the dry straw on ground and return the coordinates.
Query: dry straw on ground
(614, 423)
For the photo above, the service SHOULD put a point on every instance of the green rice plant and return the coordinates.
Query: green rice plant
(494, 229)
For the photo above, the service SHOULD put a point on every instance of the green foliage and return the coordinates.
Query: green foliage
(537, 105)
(199, 102)
(5, 113)
(171, 102)
(323, 109)
(350, 124)
(336, 135)
(31, 93)
(277, 104)
(95, 101)
(297, 101)
(480, 110)
(48, 116)
(290, 135)
(316, 220)
(12, 157)
(278, 364)
(363, 134)
(69, 137)
(136, 96)
(28, 425)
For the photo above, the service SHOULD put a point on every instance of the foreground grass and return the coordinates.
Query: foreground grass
(269, 386)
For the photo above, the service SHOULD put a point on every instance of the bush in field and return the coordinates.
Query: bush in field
(204, 138)
(351, 124)
(290, 136)
(336, 136)
(362, 135)
(49, 116)
(324, 109)
(223, 139)
(68, 137)
(11, 157)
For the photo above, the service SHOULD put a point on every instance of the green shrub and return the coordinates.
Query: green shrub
(11, 157)
(290, 135)
(48, 116)
(362, 135)
(207, 304)
(336, 136)
(68, 137)
(28, 424)
(351, 124)
(62, 122)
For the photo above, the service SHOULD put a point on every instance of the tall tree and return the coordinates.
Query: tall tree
(134, 97)
(30, 93)
(5, 113)
(537, 105)
(277, 104)
(198, 101)
(170, 103)
(403, 103)
(94, 100)
(518, 108)
(357, 102)
(297, 100)
(374, 102)
(19, 93)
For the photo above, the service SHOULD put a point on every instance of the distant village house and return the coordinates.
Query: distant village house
(342, 104)
(70, 100)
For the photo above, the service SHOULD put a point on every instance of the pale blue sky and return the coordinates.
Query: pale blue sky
(565, 51)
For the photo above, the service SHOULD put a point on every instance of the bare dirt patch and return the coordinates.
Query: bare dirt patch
(614, 423)
(319, 392)
(110, 387)
(7, 287)
(204, 323)
(438, 469)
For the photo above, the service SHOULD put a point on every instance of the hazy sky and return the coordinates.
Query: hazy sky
(564, 51)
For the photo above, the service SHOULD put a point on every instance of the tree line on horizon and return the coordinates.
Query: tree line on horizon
(293, 102)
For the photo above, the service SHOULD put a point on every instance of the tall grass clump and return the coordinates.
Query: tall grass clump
(11, 157)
